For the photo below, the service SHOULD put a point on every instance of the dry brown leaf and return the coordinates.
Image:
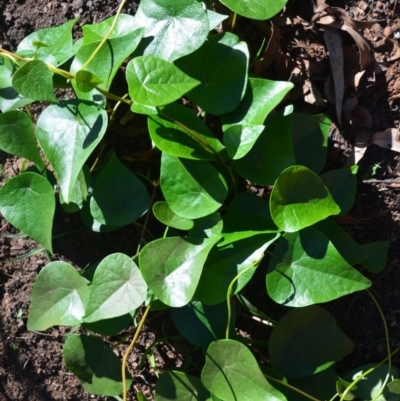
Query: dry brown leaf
(365, 51)
(388, 139)
(396, 46)
(355, 24)
(333, 43)
(312, 95)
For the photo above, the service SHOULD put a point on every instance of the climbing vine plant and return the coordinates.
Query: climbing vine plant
(219, 233)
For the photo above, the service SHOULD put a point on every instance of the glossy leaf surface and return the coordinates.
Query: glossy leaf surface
(117, 288)
(178, 132)
(179, 386)
(68, 133)
(27, 202)
(172, 267)
(231, 373)
(256, 9)
(119, 197)
(172, 29)
(192, 188)
(155, 82)
(35, 81)
(165, 215)
(17, 136)
(305, 268)
(221, 66)
(300, 199)
(312, 339)
(59, 297)
(95, 364)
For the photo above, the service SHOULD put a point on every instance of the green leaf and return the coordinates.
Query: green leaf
(153, 81)
(310, 140)
(117, 288)
(342, 185)
(79, 193)
(192, 188)
(68, 133)
(93, 224)
(55, 44)
(34, 80)
(231, 373)
(172, 267)
(300, 199)
(143, 109)
(255, 9)
(86, 81)
(261, 97)
(109, 327)
(377, 255)
(247, 215)
(351, 251)
(225, 263)
(10, 99)
(394, 386)
(95, 364)
(214, 19)
(202, 324)
(312, 339)
(221, 66)
(122, 42)
(369, 387)
(271, 153)
(178, 132)
(172, 29)
(207, 227)
(305, 268)
(27, 202)
(17, 136)
(179, 386)
(239, 139)
(165, 215)
(119, 197)
(59, 297)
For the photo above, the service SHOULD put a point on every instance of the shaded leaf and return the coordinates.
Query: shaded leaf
(388, 139)
(312, 339)
(109, 327)
(95, 364)
(377, 256)
(59, 297)
(165, 215)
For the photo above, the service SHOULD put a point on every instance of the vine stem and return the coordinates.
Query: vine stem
(104, 40)
(128, 351)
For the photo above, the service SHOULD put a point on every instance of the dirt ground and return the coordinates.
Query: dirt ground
(31, 366)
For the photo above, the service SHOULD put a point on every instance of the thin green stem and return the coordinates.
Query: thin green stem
(229, 293)
(104, 40)
(128, 351)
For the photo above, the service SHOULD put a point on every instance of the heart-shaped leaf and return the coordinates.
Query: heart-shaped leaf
(270, 154)
(192, 188)
(377, 256)
(178, 132)
(27, 202)
(165, 215)
(86, 81)
(119, 197)
(231, 373)
(59, 297)
(117, 288)
(255, 9)
(155, 82)
(300, 199)
(312, 339)
(95, 364)
(35, 81)
(172, 29)
(179, 386)
(52, 45)
(68, 133)
(221, 66)
(226, 263)
(172, 267)
(305, 268)
(17, 136)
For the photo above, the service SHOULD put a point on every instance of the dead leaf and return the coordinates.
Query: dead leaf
(312, 95)
(333, 43)
(388, 139)
(396, 46)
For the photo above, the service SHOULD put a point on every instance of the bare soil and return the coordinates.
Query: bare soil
(31, 366)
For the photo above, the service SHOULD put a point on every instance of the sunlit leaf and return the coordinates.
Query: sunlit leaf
(255, 9)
